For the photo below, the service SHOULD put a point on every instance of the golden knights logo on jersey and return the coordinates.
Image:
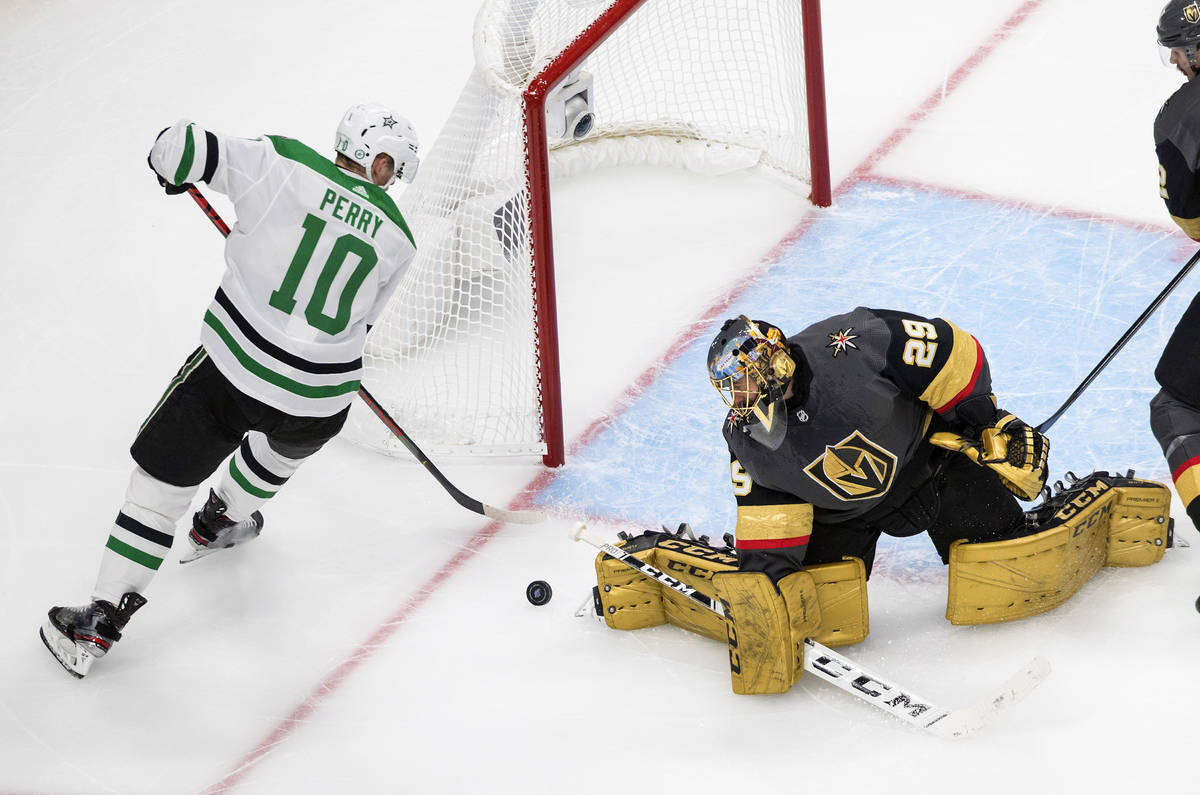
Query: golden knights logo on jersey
(854, 469)
(1192, 13)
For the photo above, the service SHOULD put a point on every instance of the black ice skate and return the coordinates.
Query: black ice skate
(78, 636)
(212, 530)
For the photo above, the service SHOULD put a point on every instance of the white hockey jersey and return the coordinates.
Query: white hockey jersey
(311, 261)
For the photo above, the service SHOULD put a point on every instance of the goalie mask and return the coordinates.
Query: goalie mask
(370, 130)
(750, 366)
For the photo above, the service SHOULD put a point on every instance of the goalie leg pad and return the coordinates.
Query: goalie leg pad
(998, 581)
(766, 626)
(842, 594)
(631, 600)
(1139, 531)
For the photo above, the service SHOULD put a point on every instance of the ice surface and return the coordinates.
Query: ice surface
(993, 165)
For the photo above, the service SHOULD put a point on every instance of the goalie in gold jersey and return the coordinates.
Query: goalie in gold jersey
(862, 424)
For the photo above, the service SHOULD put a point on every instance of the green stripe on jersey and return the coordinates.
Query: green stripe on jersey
(294, 150)
(189, 154)
(133, 553)
(270, 376)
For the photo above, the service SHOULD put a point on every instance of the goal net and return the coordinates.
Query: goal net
(466, 357)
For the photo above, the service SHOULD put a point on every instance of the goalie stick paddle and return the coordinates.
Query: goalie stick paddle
(1115, 349)
(466, 501)
(840, 671)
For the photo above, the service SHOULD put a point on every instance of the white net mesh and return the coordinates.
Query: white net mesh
(712, 85)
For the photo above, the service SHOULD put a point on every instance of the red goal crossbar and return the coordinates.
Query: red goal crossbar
(537, 159)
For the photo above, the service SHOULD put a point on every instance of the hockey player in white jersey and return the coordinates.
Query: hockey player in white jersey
(315, 253)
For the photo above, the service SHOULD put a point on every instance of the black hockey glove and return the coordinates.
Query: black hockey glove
(171, 190)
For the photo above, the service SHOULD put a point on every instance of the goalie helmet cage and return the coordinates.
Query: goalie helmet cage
(466, 353)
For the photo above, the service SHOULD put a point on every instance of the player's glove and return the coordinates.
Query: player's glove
(1010, 448)
(172, 190)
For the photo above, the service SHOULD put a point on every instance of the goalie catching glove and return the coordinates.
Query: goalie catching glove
(1010, 448)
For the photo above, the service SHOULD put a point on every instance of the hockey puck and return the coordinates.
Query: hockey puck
(538, 592)
(1197, 602)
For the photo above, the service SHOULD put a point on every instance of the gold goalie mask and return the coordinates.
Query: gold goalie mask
(751, 368)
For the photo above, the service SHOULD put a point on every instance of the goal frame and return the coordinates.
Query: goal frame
(537, 160)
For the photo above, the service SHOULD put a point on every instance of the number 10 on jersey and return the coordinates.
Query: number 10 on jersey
(284, 298)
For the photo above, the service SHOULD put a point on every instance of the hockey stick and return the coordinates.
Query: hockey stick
(208, 209)
(1137, 324)
(468, 502)
(843, 673)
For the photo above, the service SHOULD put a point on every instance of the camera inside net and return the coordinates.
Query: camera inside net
(570, 108)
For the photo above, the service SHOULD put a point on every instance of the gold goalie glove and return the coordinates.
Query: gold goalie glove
(1013, 450)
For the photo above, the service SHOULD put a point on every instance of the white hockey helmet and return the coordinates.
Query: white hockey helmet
(369, 129)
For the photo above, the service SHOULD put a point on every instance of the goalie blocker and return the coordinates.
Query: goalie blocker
(1100, 520)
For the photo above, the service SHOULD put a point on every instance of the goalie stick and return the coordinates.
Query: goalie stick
(840, 671)
(466, 501)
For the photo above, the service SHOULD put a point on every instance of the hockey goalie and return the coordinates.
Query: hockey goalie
(867, 423)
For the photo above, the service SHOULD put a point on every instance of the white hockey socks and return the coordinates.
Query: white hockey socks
(141, 535)
(254, 475)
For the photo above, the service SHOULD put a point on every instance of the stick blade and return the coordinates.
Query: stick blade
(514, 517)
(967, 720)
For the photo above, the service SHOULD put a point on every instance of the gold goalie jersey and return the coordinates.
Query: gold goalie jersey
(867, 386)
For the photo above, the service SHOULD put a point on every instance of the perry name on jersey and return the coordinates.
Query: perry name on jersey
(867, 384)
(311, 261)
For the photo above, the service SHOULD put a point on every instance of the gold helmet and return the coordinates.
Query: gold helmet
(751, 367)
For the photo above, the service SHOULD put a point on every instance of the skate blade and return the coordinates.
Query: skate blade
(240, 536)
(196, 553)
(75, 660)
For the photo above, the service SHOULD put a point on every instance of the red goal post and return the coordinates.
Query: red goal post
(466, 355)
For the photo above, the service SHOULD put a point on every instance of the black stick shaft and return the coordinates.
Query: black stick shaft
(1128, 335)
(466, 501)
(470, 503)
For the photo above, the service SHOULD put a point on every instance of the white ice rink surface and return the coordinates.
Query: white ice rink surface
(377, 638)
